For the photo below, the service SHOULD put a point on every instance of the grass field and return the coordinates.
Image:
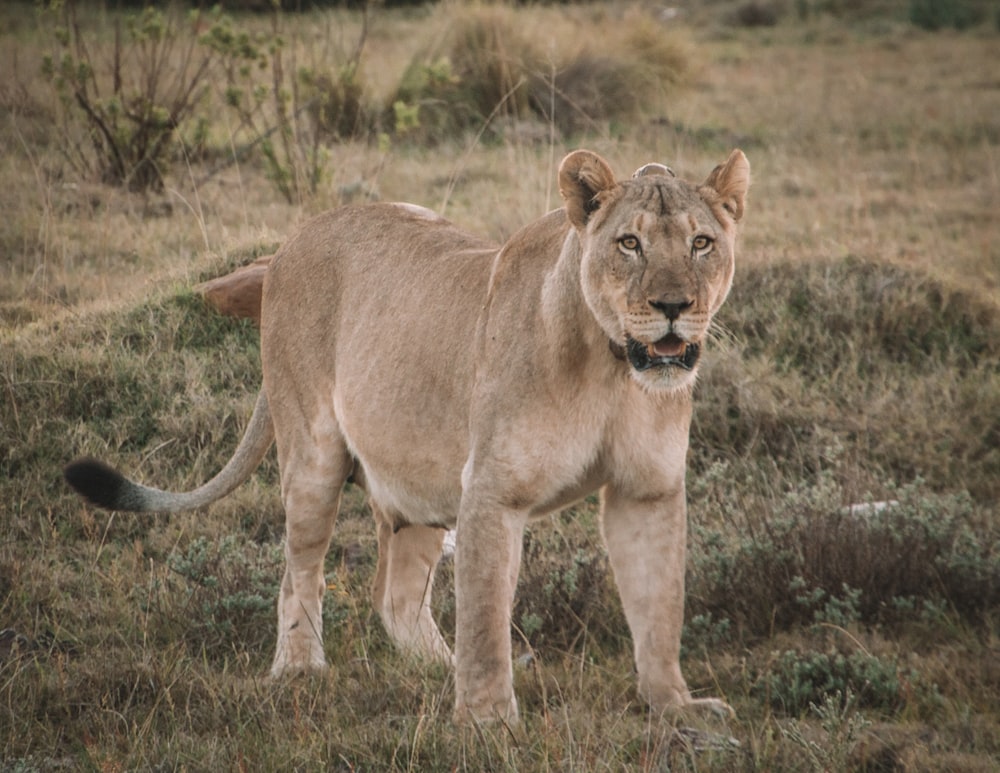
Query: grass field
(857, 361)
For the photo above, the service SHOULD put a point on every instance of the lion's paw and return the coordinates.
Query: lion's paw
(302, 660)
(487, 712)
(709, 706)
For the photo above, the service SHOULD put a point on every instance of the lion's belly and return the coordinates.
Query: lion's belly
(410, 438)
(417, 504)
(408, 481)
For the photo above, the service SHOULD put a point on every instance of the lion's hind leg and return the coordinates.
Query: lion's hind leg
(407, 560)
(312, 476)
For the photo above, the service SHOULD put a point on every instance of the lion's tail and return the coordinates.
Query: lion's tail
(106, 487)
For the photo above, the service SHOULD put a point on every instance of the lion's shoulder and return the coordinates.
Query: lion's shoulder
(535, 246)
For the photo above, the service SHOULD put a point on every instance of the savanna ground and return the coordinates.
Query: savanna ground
(857, 361)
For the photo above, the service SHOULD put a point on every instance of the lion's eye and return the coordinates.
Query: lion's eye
(629, 243)
(701, 243)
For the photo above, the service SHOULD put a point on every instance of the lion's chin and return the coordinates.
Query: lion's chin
(668, 353)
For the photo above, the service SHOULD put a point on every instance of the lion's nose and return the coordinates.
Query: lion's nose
(671, 309)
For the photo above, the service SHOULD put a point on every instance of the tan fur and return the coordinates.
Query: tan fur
(238, 293)
(481, 389)
(461, 385)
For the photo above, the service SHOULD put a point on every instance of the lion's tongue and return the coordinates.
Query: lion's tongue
(668, 346)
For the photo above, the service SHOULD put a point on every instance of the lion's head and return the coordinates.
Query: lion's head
(657, 258)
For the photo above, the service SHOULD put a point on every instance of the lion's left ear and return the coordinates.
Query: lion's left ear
(731, 181)
(583, 175)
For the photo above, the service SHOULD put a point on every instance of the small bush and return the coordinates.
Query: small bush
(487, 70)
(865, 361)
(703, 633)
(938, 14)
(591, 88)
(755, 14)
(566, 592)
(798, 680)
(261, 87)
(121, 118)
(480, 71)
(813, 561)
(842, 728)
(429, 105)
(335, 103)
(493, 59)
(228, 591)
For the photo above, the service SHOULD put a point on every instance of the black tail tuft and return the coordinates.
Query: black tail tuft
(98, 483)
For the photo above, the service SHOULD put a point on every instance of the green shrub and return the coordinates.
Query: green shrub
(121, 113)
(335, 103)
(566, 593)
(886, 369)
(798, 680)
(262, 89)
(703, 633)
(225, 591)
(478, 72)
(938, 14)
(488, 72)
(842, 728)
(811, 560)
(430, 105)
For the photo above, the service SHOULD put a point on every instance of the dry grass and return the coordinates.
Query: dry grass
(857, 358)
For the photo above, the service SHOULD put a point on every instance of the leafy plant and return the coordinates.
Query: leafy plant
(429, 104)
(842, 725)
(797, 681)
(813, 560)
(120, 117)
(488, 71)
(283, 110)
(335, 102)
(230, 587)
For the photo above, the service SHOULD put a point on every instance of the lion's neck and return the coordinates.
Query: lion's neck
(565, 312)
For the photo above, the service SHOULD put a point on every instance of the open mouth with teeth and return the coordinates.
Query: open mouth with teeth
(669, 351)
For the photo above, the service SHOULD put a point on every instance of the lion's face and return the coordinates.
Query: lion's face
(657, 262)
(656, 266)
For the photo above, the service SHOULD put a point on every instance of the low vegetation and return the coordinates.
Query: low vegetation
(844, 568)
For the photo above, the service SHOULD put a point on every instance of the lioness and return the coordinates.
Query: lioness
(464, 385)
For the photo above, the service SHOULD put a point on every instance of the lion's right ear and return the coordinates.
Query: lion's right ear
(583, 175)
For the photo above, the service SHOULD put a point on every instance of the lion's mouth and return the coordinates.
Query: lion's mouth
(669, 351)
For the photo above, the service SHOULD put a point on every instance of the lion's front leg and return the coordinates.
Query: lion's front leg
(647, 545)
(487, 561)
